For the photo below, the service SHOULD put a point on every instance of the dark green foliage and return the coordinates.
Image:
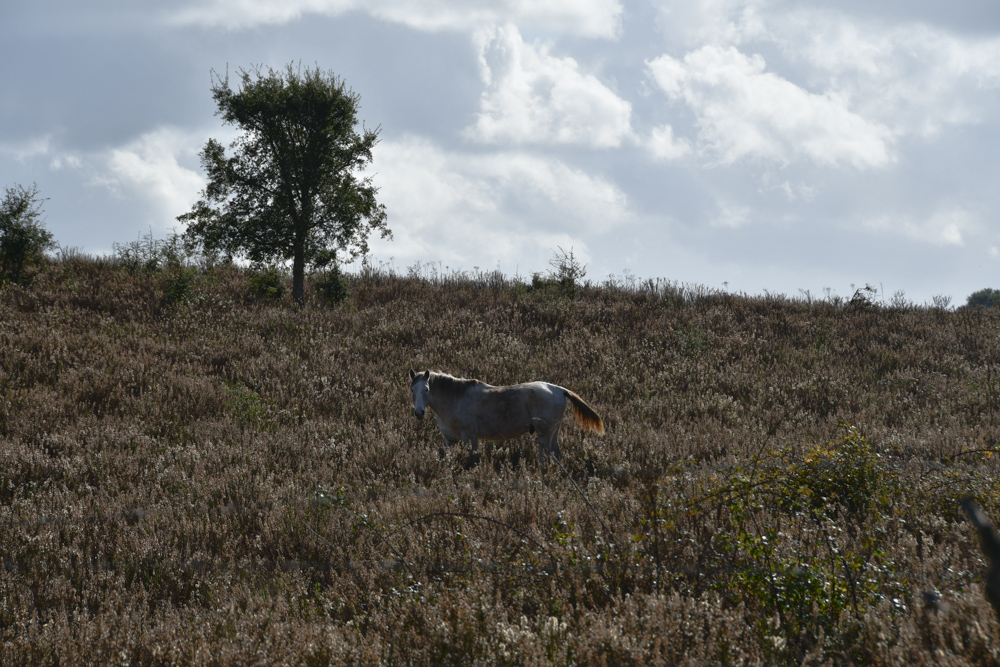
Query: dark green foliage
(23, 238)
(987, 297)
(566, 273)
(567, 270)
(143, 254)
(179, 283)
(149, 254)
(332, 284)
(168, 260)
(267, 282)
(804, 537)
(246, 408)
(289, 191)
(864, 298)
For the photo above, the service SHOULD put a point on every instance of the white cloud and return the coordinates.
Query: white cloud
(910, 76)
(535, 97)
(744, 111)
(949, 225)
(914, 78)
(793, 191)
(731, 216)
(592, 18)
(149, 168)
(28, 148)
(663, 145)
(471, 209)
(694, 23)
(902, 76)
(33, 148)
(62, 161)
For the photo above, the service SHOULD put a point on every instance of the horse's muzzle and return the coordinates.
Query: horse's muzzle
(418, 415)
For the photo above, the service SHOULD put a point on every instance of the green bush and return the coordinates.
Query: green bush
(566, 273)
(864, 298)
(178, 284)
(841, 495)
(246, 408)
(172, 263)
(267, 283)
(23, 238)
(150, 254)
(989, 298)
(331, 284)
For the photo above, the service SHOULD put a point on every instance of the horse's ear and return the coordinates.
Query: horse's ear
(412, 374)
(427, 374)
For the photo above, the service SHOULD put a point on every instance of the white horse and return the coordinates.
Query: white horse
(469, 409)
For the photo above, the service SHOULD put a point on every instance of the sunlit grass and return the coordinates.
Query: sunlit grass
(192, 473)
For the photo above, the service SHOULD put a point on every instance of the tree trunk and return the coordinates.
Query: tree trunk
(298, 274)
(302, 225)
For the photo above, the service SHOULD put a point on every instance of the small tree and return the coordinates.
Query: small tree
(568, 271)
(290, 190)
(23, 238)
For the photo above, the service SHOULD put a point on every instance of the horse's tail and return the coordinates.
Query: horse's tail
(590, 420)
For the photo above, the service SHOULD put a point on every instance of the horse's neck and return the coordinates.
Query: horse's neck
(444, 402)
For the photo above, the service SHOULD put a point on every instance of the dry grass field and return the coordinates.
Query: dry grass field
(194, 475)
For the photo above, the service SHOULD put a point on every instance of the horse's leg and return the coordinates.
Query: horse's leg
(548, 438)
(538, 427)
(447, 445)
(473, 459)
(545, 437)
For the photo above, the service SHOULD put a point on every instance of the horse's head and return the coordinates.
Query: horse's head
(421, 389)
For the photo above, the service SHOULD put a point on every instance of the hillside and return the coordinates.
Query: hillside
(192, 474)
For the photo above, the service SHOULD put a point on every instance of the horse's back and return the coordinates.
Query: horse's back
(505, 412)
(536, 400)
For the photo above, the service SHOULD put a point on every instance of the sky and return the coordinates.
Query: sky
(757, 146)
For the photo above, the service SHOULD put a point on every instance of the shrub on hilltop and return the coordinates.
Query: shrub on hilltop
(987, 297)
(23, 237)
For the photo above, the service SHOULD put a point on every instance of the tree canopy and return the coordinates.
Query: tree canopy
(291, 189)
(986, 297)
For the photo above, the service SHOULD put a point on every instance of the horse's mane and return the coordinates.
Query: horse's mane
(450, 387)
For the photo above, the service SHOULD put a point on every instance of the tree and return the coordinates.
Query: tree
(23, 238)
(289, 191)
(986, 297)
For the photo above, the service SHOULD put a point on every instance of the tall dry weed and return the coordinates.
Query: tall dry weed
(193, 475)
